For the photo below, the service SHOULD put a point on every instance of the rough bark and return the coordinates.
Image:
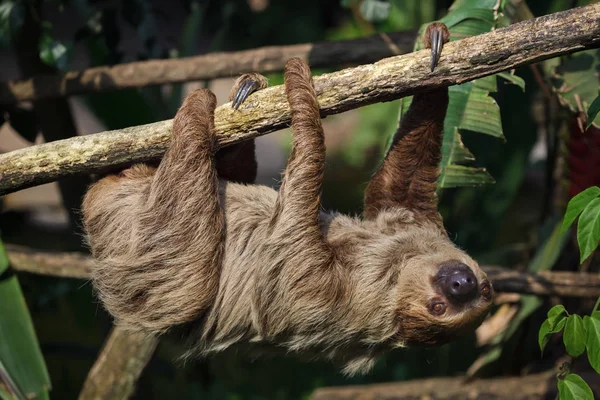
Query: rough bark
(209, 66)
(266, 111)
(118, 366)
(535, 386)
(547, 283)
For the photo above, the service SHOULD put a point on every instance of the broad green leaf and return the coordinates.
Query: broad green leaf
(375, 10)
(593, 111)
(458, 175)
(573, 387)
(574, 336)
(512, 78)
(557, 317)
(588, 229)
(482, 114)
(575, 80)
(592, 343)
(20, 353)
(555, 313)
(483, 18)
(544, 335)
(489, 4)
(577, 204)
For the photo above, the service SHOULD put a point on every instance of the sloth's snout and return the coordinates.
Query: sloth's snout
(460, 284)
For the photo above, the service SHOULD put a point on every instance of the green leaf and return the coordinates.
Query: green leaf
(512, 78)
(577, 204)
(555, 313)
(592, 343)
(375, 10)
(574, 336)
(557, 317)
(588, 229)
(482, 114)
(458, 175)
(593, 111)
(544, 335)
(20, 354)
(573, 387)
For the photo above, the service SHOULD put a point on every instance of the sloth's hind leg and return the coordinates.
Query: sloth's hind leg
(163, 269)
(237, 162)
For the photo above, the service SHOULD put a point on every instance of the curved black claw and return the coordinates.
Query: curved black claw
(248, 86)
(436, 35)
(436, 47)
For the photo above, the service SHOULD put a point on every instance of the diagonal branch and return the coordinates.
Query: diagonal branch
(267, 111)
(208, 66)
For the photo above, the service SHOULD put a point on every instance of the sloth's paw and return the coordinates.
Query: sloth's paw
(434, 38)
(244, 86)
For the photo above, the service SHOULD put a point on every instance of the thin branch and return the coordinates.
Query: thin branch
(534, 386)
(64, 265)
(205, 67)
(547, 283)
(267, 110)
(119, 365)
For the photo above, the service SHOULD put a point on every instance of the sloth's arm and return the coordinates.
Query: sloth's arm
(408, 175)
(237, 163)
(296, 213)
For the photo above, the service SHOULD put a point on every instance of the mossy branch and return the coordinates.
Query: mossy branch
(267, 110)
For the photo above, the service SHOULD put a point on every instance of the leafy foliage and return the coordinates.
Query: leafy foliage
(579, 334)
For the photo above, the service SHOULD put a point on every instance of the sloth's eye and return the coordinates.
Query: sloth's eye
(438, 308)
(486, 289)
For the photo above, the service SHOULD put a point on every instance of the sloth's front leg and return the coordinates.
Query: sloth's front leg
(237, 163)
(408, 175)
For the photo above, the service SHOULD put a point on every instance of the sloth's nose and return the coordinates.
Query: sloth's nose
(460, 284)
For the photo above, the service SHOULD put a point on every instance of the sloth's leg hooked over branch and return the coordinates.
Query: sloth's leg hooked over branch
(300, 277)
(159, 238)
(237, 163)
(185, 188)
(299, 199)
(409, 173)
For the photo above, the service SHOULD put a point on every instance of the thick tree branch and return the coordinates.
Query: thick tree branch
(209, 66)
(535, 386)
(267, 111)
(547, 283)
(119, 365)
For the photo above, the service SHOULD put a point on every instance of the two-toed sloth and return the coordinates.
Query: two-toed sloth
(194, 243)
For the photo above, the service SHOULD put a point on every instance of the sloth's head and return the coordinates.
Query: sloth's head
(442, 294)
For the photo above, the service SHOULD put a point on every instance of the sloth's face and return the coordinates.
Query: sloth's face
(454, 299)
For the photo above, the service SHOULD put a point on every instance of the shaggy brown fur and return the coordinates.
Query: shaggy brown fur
(247, 264)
